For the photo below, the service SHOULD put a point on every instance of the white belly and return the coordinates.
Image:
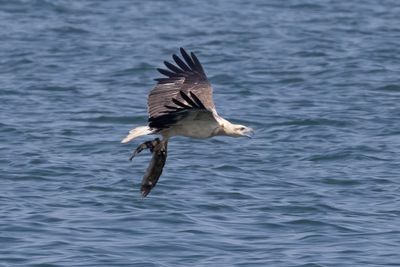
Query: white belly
(192, 128)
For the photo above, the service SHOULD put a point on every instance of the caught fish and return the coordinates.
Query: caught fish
(153, 172)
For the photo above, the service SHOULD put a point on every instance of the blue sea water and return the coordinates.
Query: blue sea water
(318, 185)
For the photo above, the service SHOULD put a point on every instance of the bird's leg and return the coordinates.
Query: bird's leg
(155, 167)
(146, 145)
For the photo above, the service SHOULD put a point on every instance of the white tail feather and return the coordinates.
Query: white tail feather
(138, 131)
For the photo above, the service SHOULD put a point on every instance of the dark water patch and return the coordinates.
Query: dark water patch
(310, 224)
(310, 54)
(381, 180)
(9, 129)
(331, 156)
(70, 30)
(275, 73)
(15, 63)
(296, 209)
(235, 195)
(355, 153)
(341, 182)
(223, 79)
(214, 207)
(142, 68)
(55, 88)
(314, 122)
(111, 119)
(291, 80)
(390, 88)
(312, 6)
(327, 208)
(311, 265)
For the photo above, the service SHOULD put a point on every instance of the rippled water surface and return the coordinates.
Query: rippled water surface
(317, 186)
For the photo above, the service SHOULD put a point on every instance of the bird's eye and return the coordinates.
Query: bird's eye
(242, 128)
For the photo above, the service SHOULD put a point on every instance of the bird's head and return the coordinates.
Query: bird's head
(234, 130)
(238, 130)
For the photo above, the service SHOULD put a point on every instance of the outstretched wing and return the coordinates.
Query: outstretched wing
(189, 106)
(184, 88)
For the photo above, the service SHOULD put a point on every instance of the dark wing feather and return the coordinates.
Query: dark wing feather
(172, 67)
(185, 83)
(181, 63)
(180, 104)
(188, 100)
(197, 100)
(179, 114)
(196, 61)
(167, 73)
(188, 59)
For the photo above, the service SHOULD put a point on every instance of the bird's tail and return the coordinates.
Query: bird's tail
(138, 131)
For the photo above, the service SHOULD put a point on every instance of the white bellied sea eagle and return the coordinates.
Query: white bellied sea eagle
(180, 104)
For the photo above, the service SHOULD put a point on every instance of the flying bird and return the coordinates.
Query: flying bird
(180, 104)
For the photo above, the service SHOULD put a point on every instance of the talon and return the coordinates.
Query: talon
(146, 145)
(139, 149)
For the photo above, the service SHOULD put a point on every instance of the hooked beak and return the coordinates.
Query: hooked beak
(249, 133)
